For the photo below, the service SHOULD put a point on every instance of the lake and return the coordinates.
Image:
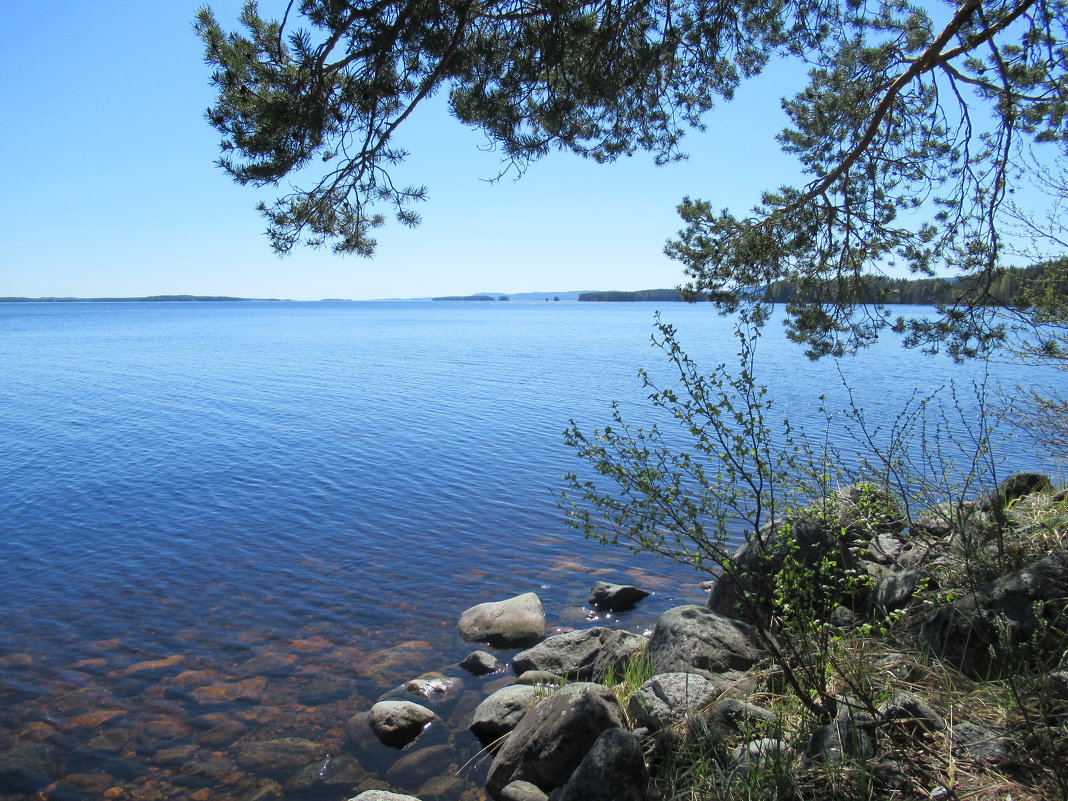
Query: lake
(226, 523)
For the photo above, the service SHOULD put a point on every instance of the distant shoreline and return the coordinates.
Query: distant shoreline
(147, 299)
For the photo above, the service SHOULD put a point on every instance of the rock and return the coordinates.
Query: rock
(226, 692)
(693, 639)
(756, 752)
(522, 791)
(581, 655)
(397, 723)
(842, 617)
(979, 743)
(513, 623)
(481, 663)
(614, 597)
(177, 755)
(418, 765)
(731, 716)
(1013, 487)
(847, 739)
(283, 754)
(156, 667)
(382, 795)
(331, 772)
(895, 589)
(837, 528)
(501, 712)
(435, 687)
(390, 665)
(443, 788)
(28, 767)
(269, 791)
(670, 696)
(541, 678)
(912, 712)
(984, 633)
(553, 737)
(217, 729)
(1056, 689)
(612, 770)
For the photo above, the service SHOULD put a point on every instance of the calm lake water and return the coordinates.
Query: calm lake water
(227, 523)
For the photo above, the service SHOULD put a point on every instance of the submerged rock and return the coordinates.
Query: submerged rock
(513, 623)
(286, 753)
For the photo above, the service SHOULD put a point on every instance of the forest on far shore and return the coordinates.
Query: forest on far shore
(1006, 288)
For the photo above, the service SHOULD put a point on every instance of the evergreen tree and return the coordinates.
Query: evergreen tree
(912, 128)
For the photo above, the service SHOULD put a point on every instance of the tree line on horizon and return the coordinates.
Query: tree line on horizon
(1007, 288)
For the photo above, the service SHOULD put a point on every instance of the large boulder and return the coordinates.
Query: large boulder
(612, 770)
(693, 639)
(513, 623)
(1012, 618)
(497, 715)
(584, 654)
(554, 736)
(837, 529)
(669, 697)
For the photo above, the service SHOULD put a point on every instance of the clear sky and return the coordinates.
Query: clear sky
(111, 188)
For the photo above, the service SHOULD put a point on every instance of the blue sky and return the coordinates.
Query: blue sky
(111, 188)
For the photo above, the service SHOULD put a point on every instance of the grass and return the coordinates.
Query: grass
(870, 665)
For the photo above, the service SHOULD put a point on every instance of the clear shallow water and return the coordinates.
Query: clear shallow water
(304, 486)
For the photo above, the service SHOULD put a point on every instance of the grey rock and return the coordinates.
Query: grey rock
(1013, 487)
(282, 754)
(540, 677)
(670, 696)
(731, 717)
(895, 589)
(583, 654)
(28, 767)
(615, 597)
(397, 723)
(481, 663)
(759, 751)
(612, 770)
(981, 744)
(419, 764)
(1056, 688)
(842, 617)
(909, 710)
(522, 791)
(512, 623)
(982, 634)
(330, 772)
(844, 740)
(501, 712)
(838, 528)
(435, 687)
(553, 737)
(693, 639)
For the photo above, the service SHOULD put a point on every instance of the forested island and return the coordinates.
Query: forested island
(1006, 288)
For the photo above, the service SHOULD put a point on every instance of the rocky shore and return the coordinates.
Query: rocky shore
(561, 731)
(977, 592)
